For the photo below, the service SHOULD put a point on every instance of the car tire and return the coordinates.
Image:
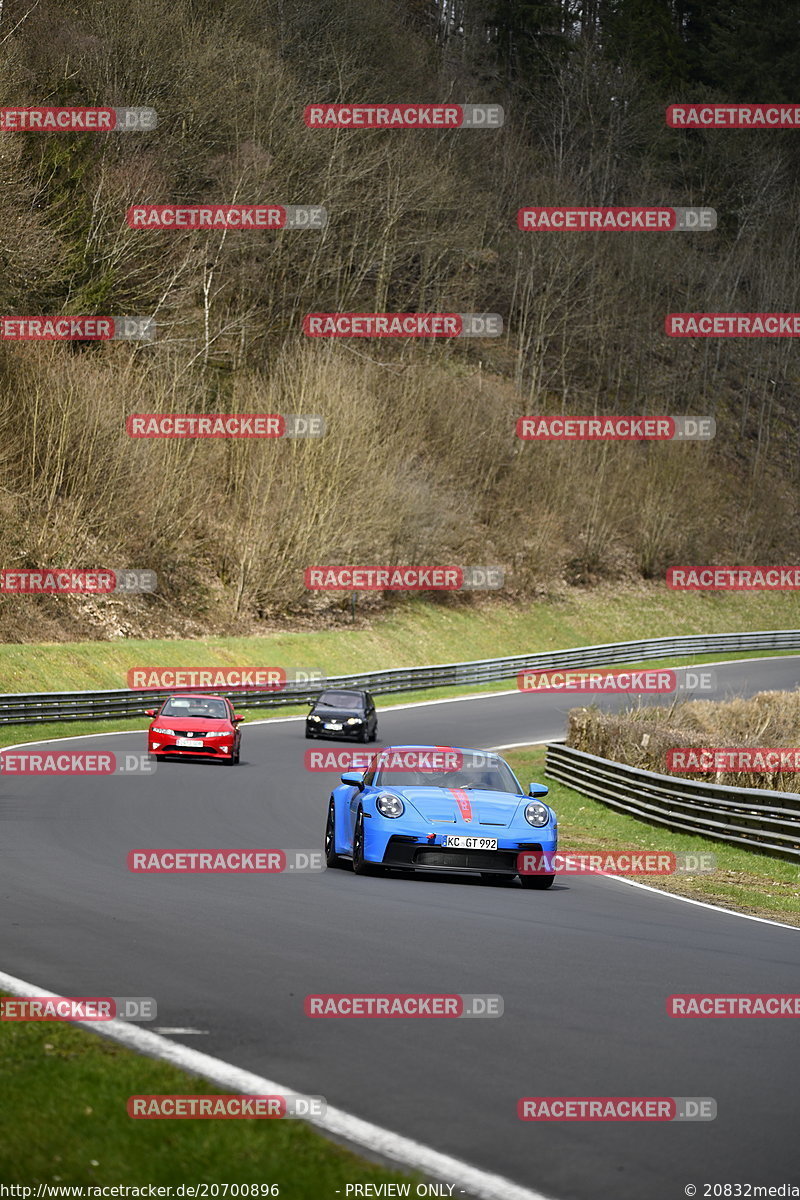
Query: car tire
(537, 883)
(364, 735)
(332, 859)
(374, 737)
(360, 864)
(309, 734)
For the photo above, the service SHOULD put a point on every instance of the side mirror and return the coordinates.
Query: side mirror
(538, 789)
(237, 718)
(353, 779)
(150, 712)
(311, 702)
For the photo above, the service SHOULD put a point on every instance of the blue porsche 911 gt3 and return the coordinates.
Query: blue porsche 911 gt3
(434, 808)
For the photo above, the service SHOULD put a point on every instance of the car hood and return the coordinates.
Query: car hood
(437, 806)
(195, 724)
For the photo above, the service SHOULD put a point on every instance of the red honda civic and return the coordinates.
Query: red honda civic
(195, 726)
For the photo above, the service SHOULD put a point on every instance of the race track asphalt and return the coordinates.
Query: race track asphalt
(584, 968)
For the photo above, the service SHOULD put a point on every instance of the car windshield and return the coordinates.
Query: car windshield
(494, 776)
(209, 707)
(340, 700)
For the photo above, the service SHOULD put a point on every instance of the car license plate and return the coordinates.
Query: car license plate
(470, 843)
(188, 741)
(333, 725)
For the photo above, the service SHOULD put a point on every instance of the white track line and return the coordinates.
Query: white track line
(269, 720)
(389, 1146)
(731, 912)
(392, 708)
(523, 745)
(395, 707)
(178, 1032)
(363, 1134)
(659, 891)
(508, 746)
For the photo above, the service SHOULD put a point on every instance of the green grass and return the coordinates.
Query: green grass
(13, 734)
(416, 633)
(63, 1119)
(744, 880)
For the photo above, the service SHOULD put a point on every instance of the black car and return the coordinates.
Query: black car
(342, 713)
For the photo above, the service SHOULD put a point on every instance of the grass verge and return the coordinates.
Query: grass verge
(744, 880)
(11, 735)
(417, 632)
(64, 1121)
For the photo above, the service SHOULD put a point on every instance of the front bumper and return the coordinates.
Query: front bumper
(418, 854)
(210, 749)
(353, 732)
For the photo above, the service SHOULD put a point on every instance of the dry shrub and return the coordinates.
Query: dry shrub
(642, 736)
(420, 463)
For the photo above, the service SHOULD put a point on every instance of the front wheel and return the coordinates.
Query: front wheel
(360, 864)
(331, 857)
(537, 883)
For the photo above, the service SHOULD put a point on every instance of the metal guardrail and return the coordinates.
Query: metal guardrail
(31, 708)
(753, 817)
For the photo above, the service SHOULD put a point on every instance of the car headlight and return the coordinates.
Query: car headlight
(312, 717)
(389, 806)
(536, 813)
(158, 729)
(355, 721)
(224, 733)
